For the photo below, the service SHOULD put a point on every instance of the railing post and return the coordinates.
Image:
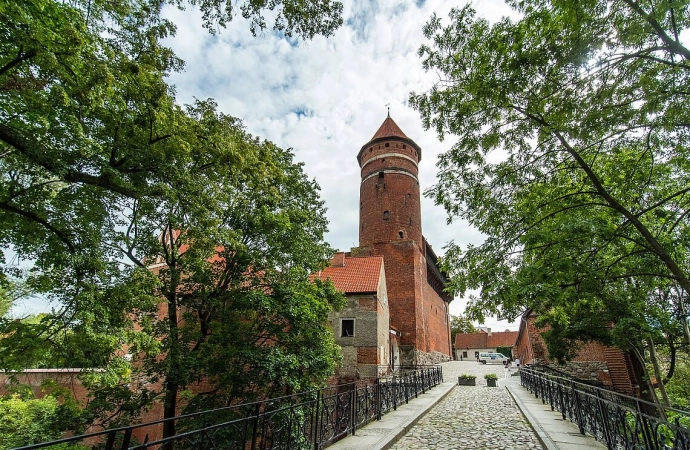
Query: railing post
(578, 408)
(643, 422)
(315, 434)
(605, 428)
(128, 436)
(353, 407)
(255, 426)
(110, 441)
(395, 395)
(379, 405)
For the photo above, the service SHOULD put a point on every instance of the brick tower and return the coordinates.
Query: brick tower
(390, 225)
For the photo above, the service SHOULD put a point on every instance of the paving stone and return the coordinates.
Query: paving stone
(472, 417)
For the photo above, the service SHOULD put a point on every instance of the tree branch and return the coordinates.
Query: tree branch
(33, 217)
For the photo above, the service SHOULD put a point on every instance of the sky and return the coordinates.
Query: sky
(325, 98)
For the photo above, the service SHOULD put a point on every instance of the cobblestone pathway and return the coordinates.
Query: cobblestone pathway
(473, 417)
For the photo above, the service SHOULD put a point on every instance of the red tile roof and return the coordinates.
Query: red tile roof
(389, 129)
(358, 275)
(470, 340)
(483, 340)
(502, 339)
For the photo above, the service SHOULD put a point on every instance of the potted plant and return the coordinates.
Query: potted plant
(466, 380)
(491, 379)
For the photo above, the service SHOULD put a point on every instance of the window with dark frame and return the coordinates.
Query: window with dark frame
(347, 327)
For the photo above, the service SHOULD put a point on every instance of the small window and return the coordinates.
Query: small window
(387, 145)
(464, 354)
(371, 149)
(386, 215)
(404, 146)
(410, 220)
(347, 327)
(381, 174)
(383, 161)
(401, 234)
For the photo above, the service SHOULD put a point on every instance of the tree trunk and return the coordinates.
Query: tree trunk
(657, 372)
(684, 318)
(646, 389)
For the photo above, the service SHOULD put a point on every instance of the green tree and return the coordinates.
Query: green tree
(460, 324)
(572, 159)
(97, 161)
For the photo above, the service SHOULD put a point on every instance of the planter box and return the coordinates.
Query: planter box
(466, 382)
(491, 383)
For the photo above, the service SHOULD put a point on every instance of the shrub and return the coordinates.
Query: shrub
(491, 376)
(465, 376)
(25, 420)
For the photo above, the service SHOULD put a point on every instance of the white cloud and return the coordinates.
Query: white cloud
(326, 98)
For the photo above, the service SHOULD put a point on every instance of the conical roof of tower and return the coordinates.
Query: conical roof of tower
(389, 129)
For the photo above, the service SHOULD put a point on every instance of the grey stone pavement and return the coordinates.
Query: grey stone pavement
(449, 416)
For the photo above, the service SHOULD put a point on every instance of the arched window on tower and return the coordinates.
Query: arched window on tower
(386, 215)
(381, 174)
(401, 234)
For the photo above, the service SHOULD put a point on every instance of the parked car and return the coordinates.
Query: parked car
(498, 358)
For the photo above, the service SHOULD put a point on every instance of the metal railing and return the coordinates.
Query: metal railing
(617, 420)
(311, 420)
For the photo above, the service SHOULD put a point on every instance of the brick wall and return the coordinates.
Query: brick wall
(594, 361)
(389, 193)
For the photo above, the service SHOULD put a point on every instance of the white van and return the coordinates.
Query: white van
(492, 358)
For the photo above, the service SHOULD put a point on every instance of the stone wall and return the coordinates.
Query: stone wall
(592, 371)
(412, 357)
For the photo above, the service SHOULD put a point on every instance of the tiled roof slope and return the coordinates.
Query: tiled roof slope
(483, 340)
(470, 340)
(389, 129)
(502, 339)
(358, 275)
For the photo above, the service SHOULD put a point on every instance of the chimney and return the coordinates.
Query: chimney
(338, 259)
(488, 331)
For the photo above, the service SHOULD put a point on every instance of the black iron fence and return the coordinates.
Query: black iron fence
(617, 420)
(311, 420)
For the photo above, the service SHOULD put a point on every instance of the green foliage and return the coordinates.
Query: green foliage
(505, 351)
(465, 376)
(25, 420)
(491, 376)
(126, 201)
(572, 160)
(460, 324)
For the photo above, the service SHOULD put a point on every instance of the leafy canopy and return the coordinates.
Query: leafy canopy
(572, 158)
(160, 230)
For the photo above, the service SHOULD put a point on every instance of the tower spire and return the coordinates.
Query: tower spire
(388, 105)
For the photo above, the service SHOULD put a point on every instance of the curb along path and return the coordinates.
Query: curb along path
(472, 417)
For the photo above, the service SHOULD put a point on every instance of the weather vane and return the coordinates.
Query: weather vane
(388, 105)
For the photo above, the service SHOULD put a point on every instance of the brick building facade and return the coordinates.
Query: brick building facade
(470, 345)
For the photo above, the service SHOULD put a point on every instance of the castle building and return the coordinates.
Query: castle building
(390, 226)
